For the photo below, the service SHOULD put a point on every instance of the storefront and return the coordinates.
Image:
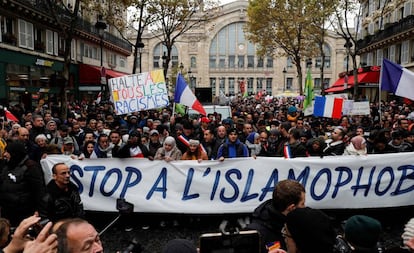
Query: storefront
(368, 79)
(32, 80)
(90, 80)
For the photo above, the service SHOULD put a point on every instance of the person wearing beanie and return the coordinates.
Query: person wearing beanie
(408, 235)
(22, 186)
(308, 230)
(270, 216)
(362, 233)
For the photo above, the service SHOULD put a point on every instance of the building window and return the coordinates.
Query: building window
(289, 83)
(122, 61)
(269, 62)
(222, 84)
(193, 62)
(90, 52)
(25, 34)
(49, 42)
(112, 60)
(159, 50)
(231, 86)
(289, 62)
(327, 59)
(240, 61)
(231, 45)
(259, 86)
(213, 85)
(250, 85)
(269, 86)
(260, 62)
(232, 61)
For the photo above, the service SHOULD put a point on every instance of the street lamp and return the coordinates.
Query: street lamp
(164, 63)
(101, 26)
(181, 68)
(140, 47)
(348, 45)
(284, 79)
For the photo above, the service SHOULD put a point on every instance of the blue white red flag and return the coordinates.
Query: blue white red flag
(184, 95)
(397, 79)
(328, 106)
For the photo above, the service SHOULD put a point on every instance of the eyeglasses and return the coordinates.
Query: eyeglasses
(285, 233)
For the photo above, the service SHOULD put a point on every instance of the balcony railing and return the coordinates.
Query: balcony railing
(82, 25)
(389, 31)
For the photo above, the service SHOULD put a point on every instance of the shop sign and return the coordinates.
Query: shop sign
(42, 62)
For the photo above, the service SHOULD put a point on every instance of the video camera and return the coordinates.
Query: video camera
(230, 240)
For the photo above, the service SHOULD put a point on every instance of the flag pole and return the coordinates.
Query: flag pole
(379, 93)
(173, 112)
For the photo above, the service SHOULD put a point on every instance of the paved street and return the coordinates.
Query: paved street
(191, 227)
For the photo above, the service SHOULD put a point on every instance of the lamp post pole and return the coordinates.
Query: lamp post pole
(348, 45)
(284, 79)
(140, 46)
(101, 26)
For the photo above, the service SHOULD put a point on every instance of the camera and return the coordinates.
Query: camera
(123, 206)
(34, 230)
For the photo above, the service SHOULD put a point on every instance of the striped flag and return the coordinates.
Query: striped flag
(184, 95)
(396, 79)
(328, 106)
(10, 116)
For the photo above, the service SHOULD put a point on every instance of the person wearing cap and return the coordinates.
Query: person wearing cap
(63, 133)
(154, 142)
(187, 134)
(232, 147)
(194, 152)
(270, 216)
(362, 234)
(68, 147)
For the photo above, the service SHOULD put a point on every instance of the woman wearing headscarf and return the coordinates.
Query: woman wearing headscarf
(194, 152)
(357, 146)
(22, 185)
(169, 151)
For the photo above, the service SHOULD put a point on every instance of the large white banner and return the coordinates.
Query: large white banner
(240, 185)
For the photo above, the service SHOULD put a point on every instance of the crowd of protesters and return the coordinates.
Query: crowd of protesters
(275, 127)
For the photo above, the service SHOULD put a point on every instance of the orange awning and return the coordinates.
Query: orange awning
(92, 74)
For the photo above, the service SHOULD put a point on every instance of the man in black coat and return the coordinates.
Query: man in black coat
(62, 199)
(269, 217)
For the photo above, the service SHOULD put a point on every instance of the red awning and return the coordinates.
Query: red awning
(366, 77)
(92, 74)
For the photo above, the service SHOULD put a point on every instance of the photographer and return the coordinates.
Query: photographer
(22, 242)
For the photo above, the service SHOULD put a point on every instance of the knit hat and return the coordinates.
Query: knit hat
(362, 231)
(408, 231)
(179, 246)
(252, 136)
(311, 229)
(194, 142)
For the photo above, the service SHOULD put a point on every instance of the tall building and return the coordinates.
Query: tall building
(32, 48)
(387, 31)
(217, 55)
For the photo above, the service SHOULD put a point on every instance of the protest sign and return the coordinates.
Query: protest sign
(138, 92)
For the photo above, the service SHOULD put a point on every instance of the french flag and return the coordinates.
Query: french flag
(184, 95)
(10, 116)
(397, 79)
(328, 106)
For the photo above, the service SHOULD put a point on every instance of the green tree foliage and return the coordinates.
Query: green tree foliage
(286, 28)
